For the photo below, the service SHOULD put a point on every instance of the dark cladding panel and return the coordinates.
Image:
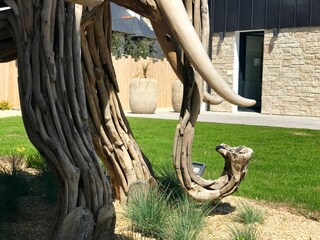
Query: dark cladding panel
(303, 13)
(219, 15)
(287, 13)
(232, 15)
(259, 11)
(245, 14)
(272, 14)
(315, 13)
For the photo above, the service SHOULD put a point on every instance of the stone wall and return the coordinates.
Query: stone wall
(291, 71)
(223, 58)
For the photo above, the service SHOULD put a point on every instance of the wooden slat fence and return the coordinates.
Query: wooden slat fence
(126, 68)
(9, 84)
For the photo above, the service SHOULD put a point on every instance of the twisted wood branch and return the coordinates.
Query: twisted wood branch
(236, 159)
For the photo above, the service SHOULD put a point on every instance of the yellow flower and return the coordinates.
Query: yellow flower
(20, 149)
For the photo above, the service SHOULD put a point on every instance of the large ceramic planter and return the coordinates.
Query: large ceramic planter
(177, 94)
(143, 95)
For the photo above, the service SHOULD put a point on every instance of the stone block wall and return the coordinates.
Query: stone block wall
(223, 58)
(291, 71)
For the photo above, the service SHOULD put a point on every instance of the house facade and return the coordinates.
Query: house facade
(269, 50)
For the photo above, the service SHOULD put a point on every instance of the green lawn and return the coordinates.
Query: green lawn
(13, 136)
(285, 166)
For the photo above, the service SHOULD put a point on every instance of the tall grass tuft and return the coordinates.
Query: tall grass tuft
(148, 211)
(247, 233)
(13, 185)
(36, 161)
(155, 213)
(187, 220)
(169, 184)
(249, 214)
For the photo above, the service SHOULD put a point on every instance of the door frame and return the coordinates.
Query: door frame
(236, 64)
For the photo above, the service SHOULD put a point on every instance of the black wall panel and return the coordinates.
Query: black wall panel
(315, 13)
(245, 8)
(233, 15)
(287, 13)
(259, 14)
(272, 13)
(303, 13)
(219, 15)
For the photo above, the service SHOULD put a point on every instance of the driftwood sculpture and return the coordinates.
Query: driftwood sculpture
(72, 114)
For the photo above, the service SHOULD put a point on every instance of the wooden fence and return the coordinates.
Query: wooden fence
(126, 69)
(9, 84)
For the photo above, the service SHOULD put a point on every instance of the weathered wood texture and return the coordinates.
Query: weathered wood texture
(54, 110)
(111, 132)
(146, 8)
(90, 69)
(70, 105)
(197, 187)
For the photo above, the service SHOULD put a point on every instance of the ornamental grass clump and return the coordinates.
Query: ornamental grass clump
(159, 213)
(36, 161)
(187, 220)
(169, 185)
(249, 214)
(247, 233)
(148, 211)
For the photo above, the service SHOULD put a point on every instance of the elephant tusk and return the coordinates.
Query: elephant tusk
(176, 16)
(170, 49)
(208, 98)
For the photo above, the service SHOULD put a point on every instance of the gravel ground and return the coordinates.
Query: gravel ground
(280, 222)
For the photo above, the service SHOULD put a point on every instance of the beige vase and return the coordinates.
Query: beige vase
(177, 94)
(143, 95)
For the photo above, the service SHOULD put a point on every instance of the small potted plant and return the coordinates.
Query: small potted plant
(143, 92)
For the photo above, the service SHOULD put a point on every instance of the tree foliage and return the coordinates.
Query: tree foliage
(124, 44)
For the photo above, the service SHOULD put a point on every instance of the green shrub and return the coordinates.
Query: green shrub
(247, 233)
(5, 105)
(249, 214)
